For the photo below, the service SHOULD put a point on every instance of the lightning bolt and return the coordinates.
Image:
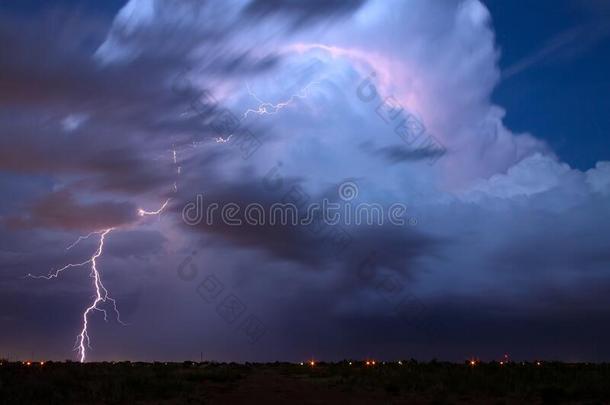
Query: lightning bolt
(142, 212)
(81, 238)
(101, 296)
(267, 108)
(220, 139)
(177, 166)
(101, 293)
(56, 273)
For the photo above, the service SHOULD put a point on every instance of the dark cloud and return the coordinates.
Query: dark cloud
(47, 150)
(400, 154)
(304, 12)
(61, 210)
(92, 111)
(125, 116)
(316, 245)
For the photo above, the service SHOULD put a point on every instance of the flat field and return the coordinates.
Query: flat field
(408, 382)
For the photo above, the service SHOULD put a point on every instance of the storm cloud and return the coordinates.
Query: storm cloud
(242, 101)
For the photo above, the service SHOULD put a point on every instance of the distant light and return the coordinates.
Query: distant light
(538, 363)
(368, 363)
(473, 363)
(399, 363)
(312, 363)
(42, 363)
(501, 363)
(350, 363)
(373, 362)
(301, 363)
(29, 363)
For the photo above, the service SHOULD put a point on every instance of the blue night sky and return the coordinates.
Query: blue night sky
(563, 50)
(120, 119)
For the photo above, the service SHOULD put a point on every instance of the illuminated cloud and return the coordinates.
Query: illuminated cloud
(506, 233)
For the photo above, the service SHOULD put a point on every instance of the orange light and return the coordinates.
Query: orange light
(29, 363)
(368, 363)
(312, 363)
(473, 363)
(373, 362)
(42, 363)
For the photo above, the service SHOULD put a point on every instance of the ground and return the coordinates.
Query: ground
(408, 382)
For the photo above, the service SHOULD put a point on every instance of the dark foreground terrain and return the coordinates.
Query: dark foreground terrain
(337, 383)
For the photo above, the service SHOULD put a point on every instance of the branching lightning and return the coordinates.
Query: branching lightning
(56, 273)
(101, 296)
(101, 293)
(178, 168)
(81, 238)
(142, 212)
(267, 108)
